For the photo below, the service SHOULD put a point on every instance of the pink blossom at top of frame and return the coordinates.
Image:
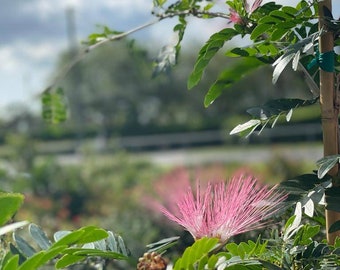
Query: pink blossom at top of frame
(224, 209)
(236, 18)
(255, 5)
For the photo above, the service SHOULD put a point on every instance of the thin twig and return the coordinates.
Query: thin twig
(160, 17)
(88, 49)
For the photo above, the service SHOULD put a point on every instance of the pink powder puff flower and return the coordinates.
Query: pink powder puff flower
(255, 5)
(236, 18)
(224, 209)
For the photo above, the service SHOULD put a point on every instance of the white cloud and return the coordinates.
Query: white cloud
(8, 59)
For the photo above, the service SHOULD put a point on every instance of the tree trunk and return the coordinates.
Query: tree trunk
(329, 111)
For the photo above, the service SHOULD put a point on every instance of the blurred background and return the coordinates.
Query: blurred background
(129, 139)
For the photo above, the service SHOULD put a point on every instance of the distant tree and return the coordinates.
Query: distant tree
(110, 92)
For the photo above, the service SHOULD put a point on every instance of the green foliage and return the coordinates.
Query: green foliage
(68, 248)
(229, 76)
(307, 191)
(196, 256)
(270, 113)
(54, 106)
(105, 34)
(280, 35)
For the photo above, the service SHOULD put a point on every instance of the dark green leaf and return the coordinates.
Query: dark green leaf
(334, 227)
(259, 30)
(15, 251)
(213, 45)
(333, 199)
(270, 266)
(230, 76)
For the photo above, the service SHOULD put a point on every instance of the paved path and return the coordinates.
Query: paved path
(242, 154)
(308, 153)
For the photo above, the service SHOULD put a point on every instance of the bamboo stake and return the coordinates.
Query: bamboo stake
(329, 111)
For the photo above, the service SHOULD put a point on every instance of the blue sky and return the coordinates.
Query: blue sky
(33, 33)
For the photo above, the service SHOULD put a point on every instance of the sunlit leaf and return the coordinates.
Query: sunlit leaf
(12, 263)
(9, 205)
(195, 253)
(246, 128)
(325, 164)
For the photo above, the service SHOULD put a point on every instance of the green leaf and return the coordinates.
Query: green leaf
(334, 227)
(259, 30)
(270, 112)
(212, 46)
(290, 53)
(95, 253)
(309, 232)
(92, 234)
(195, 253)
(39, 236)
(67, 260)
(12, 263)
(333, 199)
(232, 248)
(83, 235)
(23, 246)
(33, 262)
(280, 64)
(270, 266)
(69, 239)
(54, 104)
(230, 76)
(9, 205)
(41, 258)
(247, 128)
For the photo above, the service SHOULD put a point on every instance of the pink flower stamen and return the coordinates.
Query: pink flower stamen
(224, 209)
